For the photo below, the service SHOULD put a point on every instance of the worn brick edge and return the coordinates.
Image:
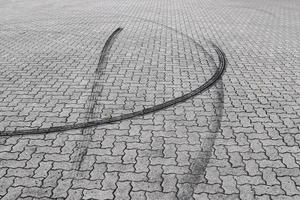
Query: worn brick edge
(208, 84)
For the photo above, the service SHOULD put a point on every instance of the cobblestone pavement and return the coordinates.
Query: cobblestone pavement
(237, 140)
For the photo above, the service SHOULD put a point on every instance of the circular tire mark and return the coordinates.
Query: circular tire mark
(217, 75)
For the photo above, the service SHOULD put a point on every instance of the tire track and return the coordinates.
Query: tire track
(199, 164)
(81, 147)
(208, 84)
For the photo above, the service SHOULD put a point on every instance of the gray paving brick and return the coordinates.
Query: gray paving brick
(85, 183)
(263, 189)
(229, 184)
(5, 183)
(12, 193)
(212, 175)
(19, 172)
(146, 186)
(246, 192)
(288, 186)
(75, 194)
(61, 190)
(270, 176)
(36, 192)
(122, 191)
(98, 171)
(138, 195)
(110, 180)
(98, 194)
(27, 181)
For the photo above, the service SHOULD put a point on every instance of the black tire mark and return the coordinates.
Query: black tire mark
(106, 49)
(217, 75)
(199, 164)
(81, 148)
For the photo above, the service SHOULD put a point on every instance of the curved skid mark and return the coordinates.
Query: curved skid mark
(217, 75)
(106, 48)
(97, 88)
(199, 164)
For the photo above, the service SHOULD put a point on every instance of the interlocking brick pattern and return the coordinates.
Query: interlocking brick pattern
(244, 148)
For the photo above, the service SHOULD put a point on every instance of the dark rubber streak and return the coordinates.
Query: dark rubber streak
(200, 163)
(106, 48)
(97, 88)
(217, 75)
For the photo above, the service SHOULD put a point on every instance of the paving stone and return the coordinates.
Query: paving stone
(212, 175)
(182, 158)
(253, 180)
(75, 194)
(208, 188)
(270, 176)
(108, 159)
(129, 176)
(34, 160)
(97, 194)
(283, 197)
(252, 167)
(174, 169)
(237, 171)
(52, 178)
(110, 180)
(61, 190)
(130, 156)
(27, 181)
(229, 184)
(287, 172)
(155, 173)
(185, 191)
(164, 161)
(85, 183)
(8, 155)
(3, 171)
(160, 195)
(263, 189)
(138, 195)
(5, 183)
(220, 196)
(246, 192)
(236, 159)
(169, 183)
(289, 160)
(42, 170)
(12, 163)
(12, 193)
(122, 191)
(146, 186)
(98, 172)
(203, 196)
(19, 172)
(142, 164)
(288, 186)
(36, 192)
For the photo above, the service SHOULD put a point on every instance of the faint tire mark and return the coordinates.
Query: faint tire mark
(199, 165)
(81, 148)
